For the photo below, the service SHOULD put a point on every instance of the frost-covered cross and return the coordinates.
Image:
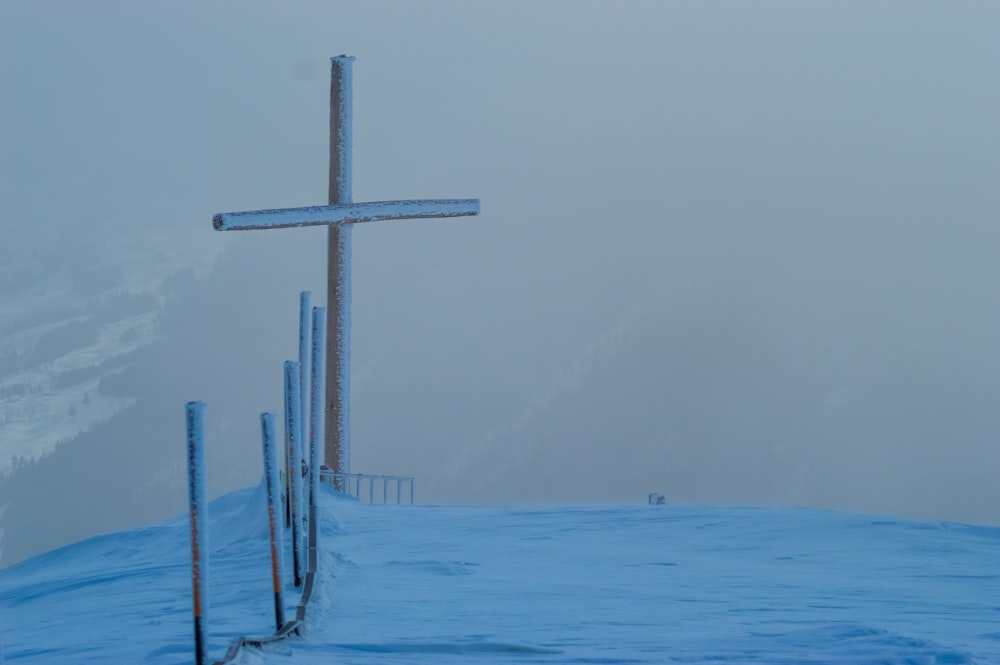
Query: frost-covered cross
(339, 216)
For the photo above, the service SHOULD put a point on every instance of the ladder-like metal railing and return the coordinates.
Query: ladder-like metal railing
(351, 484)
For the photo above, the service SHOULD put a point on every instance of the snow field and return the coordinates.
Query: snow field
(601, 584)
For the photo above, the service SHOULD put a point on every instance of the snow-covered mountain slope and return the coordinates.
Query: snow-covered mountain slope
(622, 584)
(74, 310)
(98, 375)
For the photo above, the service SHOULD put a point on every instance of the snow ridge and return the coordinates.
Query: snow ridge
(549, 584)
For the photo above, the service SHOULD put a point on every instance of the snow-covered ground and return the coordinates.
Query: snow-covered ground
(598, 584)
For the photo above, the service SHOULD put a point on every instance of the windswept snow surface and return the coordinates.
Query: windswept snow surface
(624, 584)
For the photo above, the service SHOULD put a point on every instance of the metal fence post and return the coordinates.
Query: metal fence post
(305, 323)
(271, 483)
(195, 413)
(293, 441)
(316, 439)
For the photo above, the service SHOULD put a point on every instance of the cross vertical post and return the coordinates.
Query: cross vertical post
(338, 278)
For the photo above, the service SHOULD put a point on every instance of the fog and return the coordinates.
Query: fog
(730, 252)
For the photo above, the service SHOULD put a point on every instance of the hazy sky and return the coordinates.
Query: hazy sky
(728, 251)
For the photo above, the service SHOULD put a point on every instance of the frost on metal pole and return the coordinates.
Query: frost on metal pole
(195, 412)
(271, 482)
(305, 325)
(293, 442)
(304, 298)
(317, 385)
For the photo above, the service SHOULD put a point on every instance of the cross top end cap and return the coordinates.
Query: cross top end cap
(343, 58)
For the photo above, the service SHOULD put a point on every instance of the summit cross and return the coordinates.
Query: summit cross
(339, 217)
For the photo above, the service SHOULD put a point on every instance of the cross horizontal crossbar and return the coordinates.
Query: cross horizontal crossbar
(348, 213)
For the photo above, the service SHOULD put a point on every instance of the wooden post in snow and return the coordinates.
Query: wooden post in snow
(195, 412)
(293, 442)
(317, 386)
(271, 483)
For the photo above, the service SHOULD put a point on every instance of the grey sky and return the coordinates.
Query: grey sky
(729, 251)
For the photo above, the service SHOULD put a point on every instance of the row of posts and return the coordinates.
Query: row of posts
(298, 470)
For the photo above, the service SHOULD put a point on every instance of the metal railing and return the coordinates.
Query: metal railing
(351, 484)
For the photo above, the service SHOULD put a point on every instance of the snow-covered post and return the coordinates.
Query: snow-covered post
(195, 412)
(305, 325)
(304, 297)
(338, 275)
(304, 329)
(293, 442)
(318, 389)
(272, 483)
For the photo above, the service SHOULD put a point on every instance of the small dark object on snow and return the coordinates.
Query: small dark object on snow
(657, 499)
